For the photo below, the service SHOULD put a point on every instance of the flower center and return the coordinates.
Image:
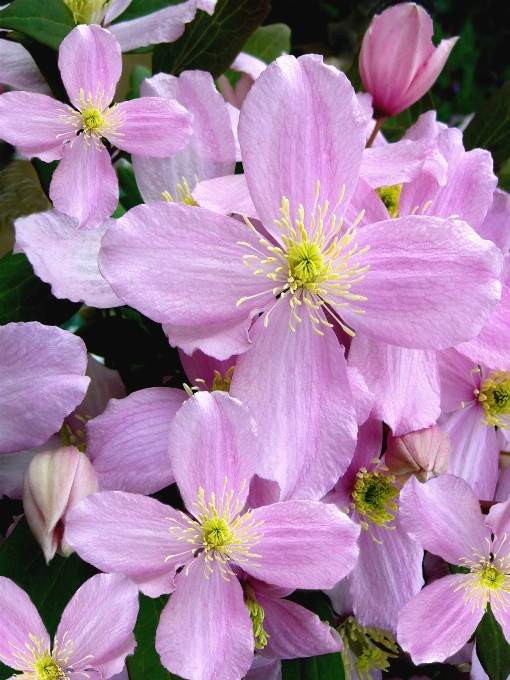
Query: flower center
(36, 663)
(390, 196)
(88, 11)
(494, 397)
(256, 615)
(314, 267)
(94, 118)
(47, 669)
(487, 581)
(373, 494)
(221, 533)
(371, 647)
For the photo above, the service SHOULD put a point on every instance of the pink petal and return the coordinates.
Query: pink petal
(205, 630)
(153, 127)
(150, 255)
(18, 70)
(210, 152)
(226, 195)
(219, 340)
(366, 204)
(13, 467)
(105, 526)
(32, 122)
(405, 383)
(165, 25)
(99, 620)
(265, 669)
(500, 610)
(431, 283)
(496, 225)
(451, 531)
(293, 631)
(42, 378)
(115, 9)
(18, 618)
(457, 381)
(301, 123)
(89, 59)
(85, 185)
(247, 63)
(475, 450)
(213, 437)
(304, 545)
(66, 257)
(363, 398)
(309, 446)
(128, 444)
(392, 569)
(436, 623)
(201, 367)
(427, 126)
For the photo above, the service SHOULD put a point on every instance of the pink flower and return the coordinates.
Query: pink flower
(214, 455)
(398, 62)
(85, 184)
(444, 517)
(93, 637)
(424, 453)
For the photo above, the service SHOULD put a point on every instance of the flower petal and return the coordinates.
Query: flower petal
(85, 185)
(42, 379)
(18, 69)
(128, 443)
(66, 257)
(226, 195)
(205, 631)
(218, 340)
(496, 225)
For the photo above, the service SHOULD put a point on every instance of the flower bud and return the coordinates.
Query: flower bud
(54, 483)
(398, 62)
(424, 453)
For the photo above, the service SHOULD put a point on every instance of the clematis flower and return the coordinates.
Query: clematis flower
(444, 516)
(398, 62)
(297, 544)
(85, 185)
(93, 638)
(424, 453)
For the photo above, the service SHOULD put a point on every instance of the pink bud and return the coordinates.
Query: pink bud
(398, 62)
(54, 483)
(424, 453)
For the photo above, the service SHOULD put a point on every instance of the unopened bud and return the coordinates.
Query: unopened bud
(424, 453)
(54, 483)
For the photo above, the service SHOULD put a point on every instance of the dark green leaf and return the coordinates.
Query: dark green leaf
(145, 663)
(47, 21)
(492, 648)
(24, 297)
(139, 8)
(269, 42)
(50, 587)
(45, 173)
(129, 193)
(138, 75)
(490, 127)
(212, 43)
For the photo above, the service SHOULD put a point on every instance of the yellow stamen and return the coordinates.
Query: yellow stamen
(257, 616)
(88, 11)
(494, 397)
(390, 196)
(183, 193)
(371, 647)
(373, 495)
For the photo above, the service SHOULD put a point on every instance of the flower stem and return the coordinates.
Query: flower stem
(377, 127)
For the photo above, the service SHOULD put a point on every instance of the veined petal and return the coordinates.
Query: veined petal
(431, 283)
(105, 526)
(300, 123)
(85, 185)
(436, 623)
(452, 532)
(213, 437)
(42, 378)
(128, 443)
(154, 251)
(18, 619)
(18, 69)
(32, 122)
(205, 631)
(457, 383)
(218, 340)
(66, 257)
(90, 62)
(99, 622)
(305, 544)
(309, 446)
(226, 195)
(153, 126)
(496, 225)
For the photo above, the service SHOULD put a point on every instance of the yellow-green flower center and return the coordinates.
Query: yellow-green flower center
(487, 581)
(94, 117)
(315, 266)
(217, 533)
(222, 384)
(373, 494)
(491, 578)
(36, 662)
(390, 196)
(257, 616)
(494, 397)
(47, 669)
(371, 647)
(88, 11)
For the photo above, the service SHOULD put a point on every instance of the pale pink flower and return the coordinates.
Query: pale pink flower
(423, 453)
(398, 62)
(85, 184)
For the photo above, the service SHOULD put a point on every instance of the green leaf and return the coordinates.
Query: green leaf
(269, 42)
(145, 663)
(212, 43)
(492, 649)
(139, 8)
(24, 297)
(45, 173)
(50, 587)
(138, 75)
(490, 127)
(129, 193)
(47, 21)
